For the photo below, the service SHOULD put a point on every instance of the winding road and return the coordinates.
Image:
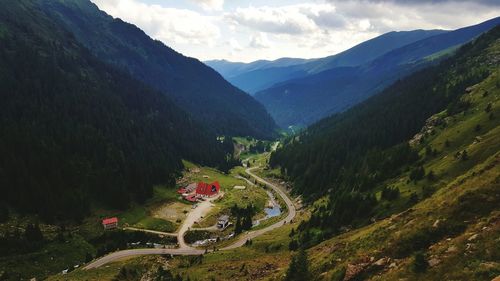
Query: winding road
(186, 250)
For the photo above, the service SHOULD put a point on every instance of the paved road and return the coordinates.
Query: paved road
(184, 249)
(194, 216)
(138, 252)
(151, 231)
(252, 234)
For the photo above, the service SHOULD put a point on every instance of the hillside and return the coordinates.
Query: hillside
(301, 102)
(451, 232)
(77, 132)
(435, 143)
(192, 85)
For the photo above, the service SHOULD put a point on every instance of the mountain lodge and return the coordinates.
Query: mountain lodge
(207, 190)
(110, 223)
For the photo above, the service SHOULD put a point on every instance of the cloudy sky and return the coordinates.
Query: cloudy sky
(240, 30)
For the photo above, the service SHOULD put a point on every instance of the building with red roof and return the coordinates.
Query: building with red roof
(191, 198)
(110, 223)
(188, 189)
(207, 189)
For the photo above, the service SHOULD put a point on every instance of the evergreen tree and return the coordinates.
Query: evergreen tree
(420, 263)
(4, 213)
(293, 245)
(464, 156)
(298, 269)
(33, 233)
(237, 226)
(247, 222)
(417, 173)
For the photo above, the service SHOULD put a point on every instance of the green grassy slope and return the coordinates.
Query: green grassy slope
(456, 228)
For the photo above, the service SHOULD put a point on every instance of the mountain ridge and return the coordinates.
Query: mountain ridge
(78, 131)
(319, 95)
(259, 75)
(211, 100)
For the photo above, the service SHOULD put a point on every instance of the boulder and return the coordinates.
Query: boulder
(434, 261)
(382, 262)
(452, 249)
(436, 223)
(473, 237)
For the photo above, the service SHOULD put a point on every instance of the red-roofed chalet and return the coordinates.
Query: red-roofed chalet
(208, 189)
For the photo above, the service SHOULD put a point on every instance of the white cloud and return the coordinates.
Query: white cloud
(260, 41)
(170, 25)
(314, 28)
(285, 20)
(235, 45)
(210, 4)
(390, 15)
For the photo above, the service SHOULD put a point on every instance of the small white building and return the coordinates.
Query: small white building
(223, 222)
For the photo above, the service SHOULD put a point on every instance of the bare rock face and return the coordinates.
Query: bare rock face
(427, 129)
(496, 278)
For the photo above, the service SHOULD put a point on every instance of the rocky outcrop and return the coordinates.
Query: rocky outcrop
(427, 129)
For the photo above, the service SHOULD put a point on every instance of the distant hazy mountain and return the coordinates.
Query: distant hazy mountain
(259, 75)
(232, 69)
(302, 101)
(195, 87)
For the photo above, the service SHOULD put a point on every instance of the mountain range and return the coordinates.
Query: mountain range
(259, 75)
(301, 94)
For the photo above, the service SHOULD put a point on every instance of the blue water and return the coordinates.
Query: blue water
(272, 212)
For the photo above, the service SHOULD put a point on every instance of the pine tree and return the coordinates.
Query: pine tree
(237, 226)
(464, 156)
(33, 233)
(4, 213)
(247, 222)
(298, 269)
(420, 263)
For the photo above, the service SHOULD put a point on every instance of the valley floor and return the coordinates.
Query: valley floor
(195, 215)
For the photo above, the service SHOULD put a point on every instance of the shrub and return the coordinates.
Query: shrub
(420, 263)
(390, 193)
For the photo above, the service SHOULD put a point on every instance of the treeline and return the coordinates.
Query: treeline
(260, 147)
(75, 130)
(243, 216)
(347, 155)
(18, 242)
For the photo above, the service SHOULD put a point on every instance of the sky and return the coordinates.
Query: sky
(245, 31)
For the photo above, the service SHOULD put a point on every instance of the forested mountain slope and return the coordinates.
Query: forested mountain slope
(301, 102)
(75, 130)
(193, 86)
(451, 232)
(259, 75)
(364, 156)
